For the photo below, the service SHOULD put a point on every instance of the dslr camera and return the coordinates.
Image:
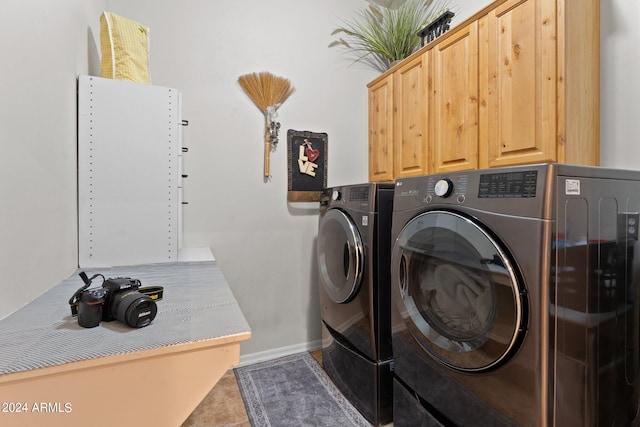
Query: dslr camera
(119, 298)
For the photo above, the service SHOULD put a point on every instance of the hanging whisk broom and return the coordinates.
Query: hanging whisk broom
(268, 92)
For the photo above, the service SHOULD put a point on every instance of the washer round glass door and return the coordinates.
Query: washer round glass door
(457, 291)
(340, 256)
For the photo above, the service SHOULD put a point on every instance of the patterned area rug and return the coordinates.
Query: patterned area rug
(294, 391)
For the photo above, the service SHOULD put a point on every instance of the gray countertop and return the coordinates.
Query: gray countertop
(197, 305)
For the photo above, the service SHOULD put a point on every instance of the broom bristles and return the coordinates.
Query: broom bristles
(265, 89)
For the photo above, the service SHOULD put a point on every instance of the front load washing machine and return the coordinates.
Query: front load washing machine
(516, 297)
(355, 303)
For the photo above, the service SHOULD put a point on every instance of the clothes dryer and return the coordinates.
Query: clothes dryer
(353, 261)
(516, 297)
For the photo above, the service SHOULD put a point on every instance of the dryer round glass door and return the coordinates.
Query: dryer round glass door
(340, 256)
(457, 291)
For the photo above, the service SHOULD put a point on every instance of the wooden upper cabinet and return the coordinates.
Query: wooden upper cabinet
(516, 83)
(454, 106)
(381, 130)
(410, 118)
(540, 95)
(519, 91)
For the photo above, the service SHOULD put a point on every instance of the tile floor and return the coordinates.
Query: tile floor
(223, 405)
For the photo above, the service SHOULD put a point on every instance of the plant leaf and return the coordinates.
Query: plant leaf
(379, 35)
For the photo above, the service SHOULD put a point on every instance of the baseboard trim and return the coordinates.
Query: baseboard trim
(262, 356)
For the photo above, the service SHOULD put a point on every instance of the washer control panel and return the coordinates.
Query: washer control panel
(504, 185)
(452, 188)
(495, 190)
(443, 188)
(359, 194)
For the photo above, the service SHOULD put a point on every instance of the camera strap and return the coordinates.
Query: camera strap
(153, 292)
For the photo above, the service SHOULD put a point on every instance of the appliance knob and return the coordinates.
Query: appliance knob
(444, 187)
(335, 195)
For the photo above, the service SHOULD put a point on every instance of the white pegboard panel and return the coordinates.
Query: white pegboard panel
(128, 172)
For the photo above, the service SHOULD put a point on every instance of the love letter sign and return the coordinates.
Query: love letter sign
(307, 153)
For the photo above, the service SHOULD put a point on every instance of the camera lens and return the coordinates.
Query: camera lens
(133, 308)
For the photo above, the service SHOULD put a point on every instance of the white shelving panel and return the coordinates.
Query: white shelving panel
(129, 172)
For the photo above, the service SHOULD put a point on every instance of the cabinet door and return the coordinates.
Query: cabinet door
(518, 83)
(410, 118)
(381, 130)
(454, 108)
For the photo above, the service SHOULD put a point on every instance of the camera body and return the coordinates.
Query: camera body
(117, 299)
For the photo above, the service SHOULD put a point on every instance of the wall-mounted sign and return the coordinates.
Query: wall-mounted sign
(307, 166)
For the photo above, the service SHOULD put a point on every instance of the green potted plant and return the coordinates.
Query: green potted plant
(387, 31)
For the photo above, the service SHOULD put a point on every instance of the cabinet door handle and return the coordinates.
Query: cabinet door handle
(185, 123)
(185, 150)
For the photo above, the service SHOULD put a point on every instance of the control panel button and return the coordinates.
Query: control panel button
(443, 188)
(335, 195)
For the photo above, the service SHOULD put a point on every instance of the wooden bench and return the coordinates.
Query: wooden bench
(56, 373)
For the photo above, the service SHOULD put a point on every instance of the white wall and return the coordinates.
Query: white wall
(44, 45)
(265, 245)
(620, 84)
